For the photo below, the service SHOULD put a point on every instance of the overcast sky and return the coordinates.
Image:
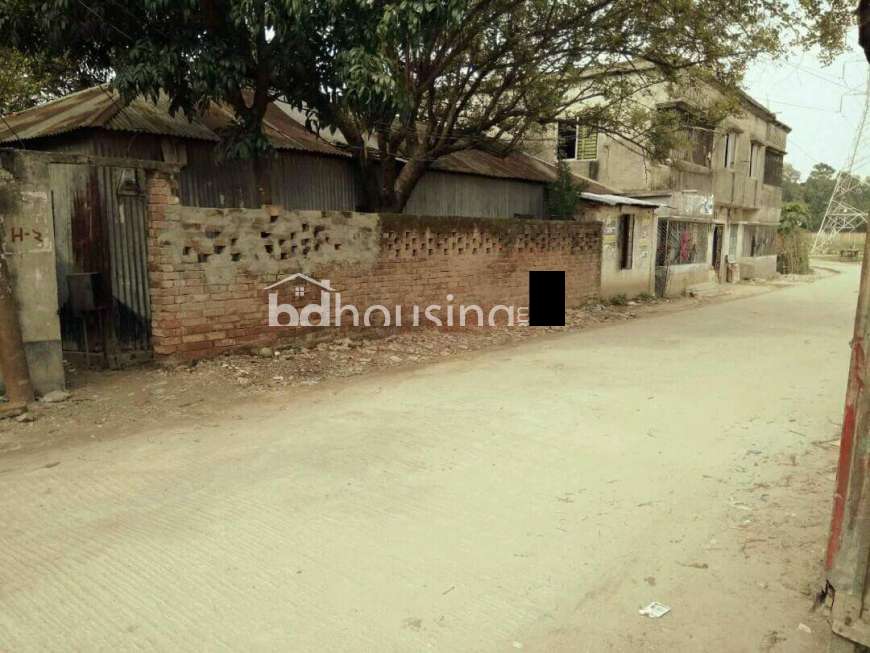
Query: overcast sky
(821, 104)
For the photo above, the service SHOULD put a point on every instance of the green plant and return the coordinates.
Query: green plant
(792, 243)
(619, 300)
(563, 194)
(645, 297)
(407, 82)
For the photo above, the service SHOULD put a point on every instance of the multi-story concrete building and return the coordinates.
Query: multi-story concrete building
(720, 190)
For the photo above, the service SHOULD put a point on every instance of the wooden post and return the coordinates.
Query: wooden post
(13, 361)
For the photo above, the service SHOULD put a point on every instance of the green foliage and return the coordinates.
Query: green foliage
(815, 191)
(792, 242)
(563, 194)
(28, 80)
(795, 216)
(409, 81)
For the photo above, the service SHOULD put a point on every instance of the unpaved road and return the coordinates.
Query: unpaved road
(528, 498)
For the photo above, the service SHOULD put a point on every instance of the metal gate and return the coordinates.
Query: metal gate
(102, 261)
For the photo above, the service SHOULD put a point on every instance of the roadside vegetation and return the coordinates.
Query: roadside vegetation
(792, 242)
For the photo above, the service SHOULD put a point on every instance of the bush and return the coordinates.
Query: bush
(563, 194)
(792, 244)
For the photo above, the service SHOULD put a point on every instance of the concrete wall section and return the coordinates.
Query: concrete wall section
(25, 209)
(758, 267)
(682, 277)
(640, 277)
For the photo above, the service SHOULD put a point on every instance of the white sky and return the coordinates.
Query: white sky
(821, 104)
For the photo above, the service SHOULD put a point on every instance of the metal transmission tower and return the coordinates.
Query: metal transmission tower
(841, 215)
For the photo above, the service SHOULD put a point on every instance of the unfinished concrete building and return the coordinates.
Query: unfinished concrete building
(720, 191)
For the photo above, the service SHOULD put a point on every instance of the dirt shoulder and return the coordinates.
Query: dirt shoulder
(115, 404)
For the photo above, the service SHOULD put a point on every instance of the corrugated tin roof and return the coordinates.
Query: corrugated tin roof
(100, 106)
(616, 200)
(518, 166)
(512, 166)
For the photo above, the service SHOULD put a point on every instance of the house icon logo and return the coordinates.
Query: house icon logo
(300, 280)
(312, 314)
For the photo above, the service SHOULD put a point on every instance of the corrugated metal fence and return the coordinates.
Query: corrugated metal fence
(100, 216)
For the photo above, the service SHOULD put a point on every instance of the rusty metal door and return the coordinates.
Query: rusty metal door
(101, 228)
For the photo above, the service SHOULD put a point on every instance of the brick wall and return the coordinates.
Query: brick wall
(209, 267)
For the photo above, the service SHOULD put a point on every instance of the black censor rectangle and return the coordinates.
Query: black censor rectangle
(547, 298)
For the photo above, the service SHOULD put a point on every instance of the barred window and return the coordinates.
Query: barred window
(682, 243)
(759, 240)
(772, 167)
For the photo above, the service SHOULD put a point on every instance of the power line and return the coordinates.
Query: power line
(841, 214)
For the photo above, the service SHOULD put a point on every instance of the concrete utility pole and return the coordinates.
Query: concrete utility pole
(13, 362)
(848, 550)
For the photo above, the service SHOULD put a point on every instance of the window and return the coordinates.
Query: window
(587, 145)
(692, 138)
(730, 149)
(625, 241)
(755, 151)
(758, 240)
(567, 145)
(772, 167)
(577, 142)
(681, 243)
(701, 141)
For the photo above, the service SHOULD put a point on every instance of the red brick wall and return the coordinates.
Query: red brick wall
(209, 267)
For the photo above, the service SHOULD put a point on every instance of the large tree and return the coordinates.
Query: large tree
(28, 80)
(242, 53)
(416, 80)
(409, 81)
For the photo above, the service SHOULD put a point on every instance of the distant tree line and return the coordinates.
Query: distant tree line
(809, 198)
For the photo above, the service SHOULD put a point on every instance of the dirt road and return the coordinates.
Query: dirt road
(527, 498)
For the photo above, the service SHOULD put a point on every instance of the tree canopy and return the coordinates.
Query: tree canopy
(27, 80)
(408, 81)
(814, 193)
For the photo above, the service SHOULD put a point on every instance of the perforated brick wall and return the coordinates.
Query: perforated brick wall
(210, 267)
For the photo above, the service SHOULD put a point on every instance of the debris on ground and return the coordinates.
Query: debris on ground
(121, 401)
(804, 628)
(55, 397)
(655, 610)
(8, 410)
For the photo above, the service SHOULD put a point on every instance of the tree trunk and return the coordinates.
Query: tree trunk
(388, 198)
(406, 182)
(13, 362)
(373, 195)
